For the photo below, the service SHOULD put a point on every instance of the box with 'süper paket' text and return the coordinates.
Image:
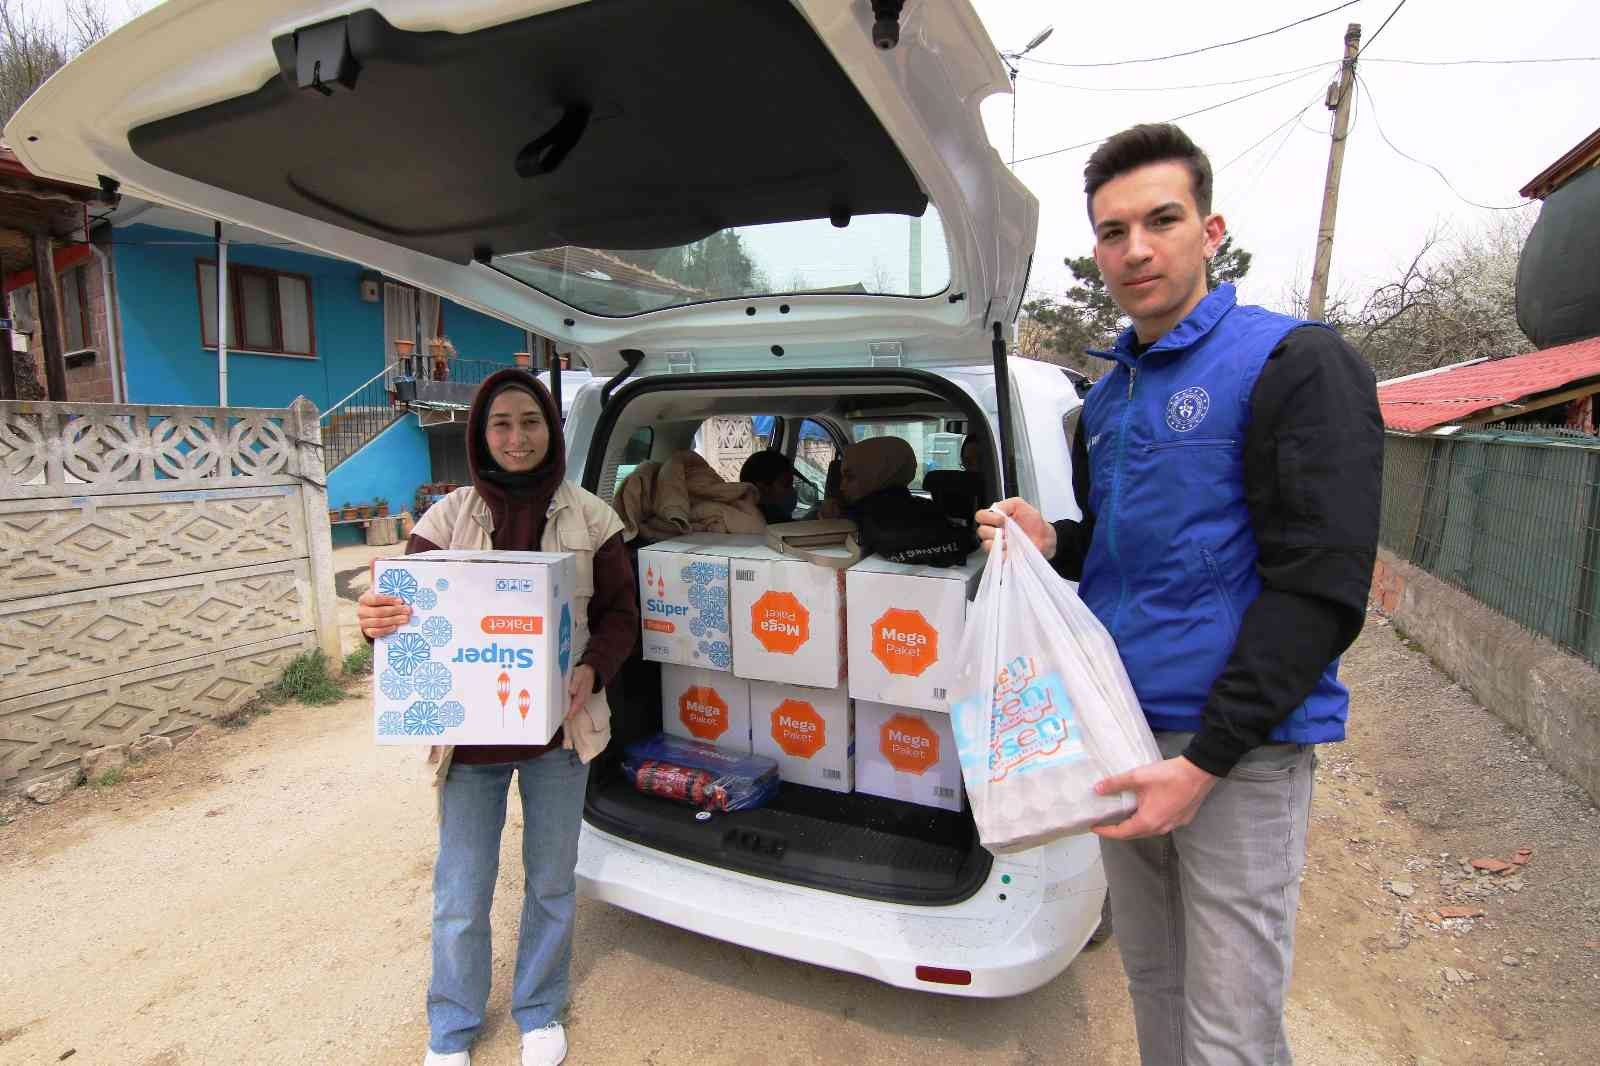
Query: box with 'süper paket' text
(486, 654)
(683, 599)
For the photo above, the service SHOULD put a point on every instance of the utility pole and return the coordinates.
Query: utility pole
(1339, 97)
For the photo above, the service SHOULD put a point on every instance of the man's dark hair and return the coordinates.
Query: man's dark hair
(765, 466)
(1144, 144)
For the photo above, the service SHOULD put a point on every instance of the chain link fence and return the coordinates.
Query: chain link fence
(1511, 518)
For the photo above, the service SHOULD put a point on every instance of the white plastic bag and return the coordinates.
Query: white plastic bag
(1042, 707)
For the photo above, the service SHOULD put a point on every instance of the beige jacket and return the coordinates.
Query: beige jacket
(578, 522)
(685, 495)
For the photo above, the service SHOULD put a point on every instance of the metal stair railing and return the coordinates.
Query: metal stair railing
(354, 421)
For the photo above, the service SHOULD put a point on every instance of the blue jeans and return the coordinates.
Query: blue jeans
(472, 817)
(1204, 916)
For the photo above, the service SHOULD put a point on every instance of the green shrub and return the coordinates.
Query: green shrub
(359, 662)
(305, 680)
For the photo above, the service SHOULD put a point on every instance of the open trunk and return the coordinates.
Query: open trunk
(856, 844)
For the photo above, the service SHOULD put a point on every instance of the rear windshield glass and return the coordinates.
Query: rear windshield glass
(875, 255)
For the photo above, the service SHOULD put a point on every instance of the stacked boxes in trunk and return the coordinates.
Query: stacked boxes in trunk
(768, 653)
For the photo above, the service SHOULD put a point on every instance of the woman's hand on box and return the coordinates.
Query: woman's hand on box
(1024, 514)
(381, 615)
(580, 688)
(1168, 795)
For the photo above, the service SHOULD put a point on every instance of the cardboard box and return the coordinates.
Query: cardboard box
(706, 705)
(486, 655)
(788, 620)
(906, 624)
(907, 754)
(809, 731)
(683, 599)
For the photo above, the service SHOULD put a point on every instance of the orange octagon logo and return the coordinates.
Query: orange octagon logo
(703, 712)
(780, 623)
(798, 729)
(904, 642)
(909, 743)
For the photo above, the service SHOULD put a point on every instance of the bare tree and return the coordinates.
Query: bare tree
(1453, 299)
(33, 47)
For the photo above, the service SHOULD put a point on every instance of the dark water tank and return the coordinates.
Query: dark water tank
(1558, 276)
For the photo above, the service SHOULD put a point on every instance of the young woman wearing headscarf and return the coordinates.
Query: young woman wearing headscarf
(875, 482)
(519, 500)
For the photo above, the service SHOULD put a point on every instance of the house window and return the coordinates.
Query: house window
(76, 334)
(268, 310)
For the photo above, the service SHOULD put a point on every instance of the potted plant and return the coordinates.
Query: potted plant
(363, 510)
(333, 515)
(403, 347)
(381, 507)
(524, 359)
(348, 509)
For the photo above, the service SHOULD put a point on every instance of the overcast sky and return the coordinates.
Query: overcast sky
(1489, 128)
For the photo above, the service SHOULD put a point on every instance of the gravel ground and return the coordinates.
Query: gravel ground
(262, 897)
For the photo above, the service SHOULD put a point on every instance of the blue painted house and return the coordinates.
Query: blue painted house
(299, 324)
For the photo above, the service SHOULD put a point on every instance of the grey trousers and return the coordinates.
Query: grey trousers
(1204, 916)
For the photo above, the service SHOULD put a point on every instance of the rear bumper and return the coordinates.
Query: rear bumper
(1021, 929)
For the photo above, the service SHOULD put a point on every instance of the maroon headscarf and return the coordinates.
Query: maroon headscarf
(513, 496)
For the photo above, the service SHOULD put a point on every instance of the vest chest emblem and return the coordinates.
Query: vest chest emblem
(1187, 408)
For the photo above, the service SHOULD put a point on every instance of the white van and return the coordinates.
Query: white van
(783, 208)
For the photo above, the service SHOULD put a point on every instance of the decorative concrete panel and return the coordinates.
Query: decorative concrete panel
(50, 641)
(49, 546)
(45, 732)
(159, 566)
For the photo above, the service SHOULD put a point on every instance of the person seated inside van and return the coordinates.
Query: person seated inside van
(875, 485)
(972, 453)
(773, 476)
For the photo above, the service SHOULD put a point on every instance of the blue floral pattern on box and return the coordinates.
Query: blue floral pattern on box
(432, 680)
(718, 652)
(427, 599)
(437, 631)
(710, 602)
(407, 651)
(452, 713)
(422, 719)
(442, 585)
(401, 583)
(391, 724)
(395, 686)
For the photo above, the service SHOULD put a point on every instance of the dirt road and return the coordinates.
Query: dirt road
(263, 895)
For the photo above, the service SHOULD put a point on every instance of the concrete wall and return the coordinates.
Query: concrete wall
(1550, 696)
(160, 565)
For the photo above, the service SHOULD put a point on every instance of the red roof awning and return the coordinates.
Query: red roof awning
(1451, 395)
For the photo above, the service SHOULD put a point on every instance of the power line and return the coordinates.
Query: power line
(1371, 40)
(1373, 104)
(1292, 118)
(1486, 62)
(1173, 88)
(1197, 51)
(1174, 118)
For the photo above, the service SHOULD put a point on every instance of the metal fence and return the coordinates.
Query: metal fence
(1512, 519)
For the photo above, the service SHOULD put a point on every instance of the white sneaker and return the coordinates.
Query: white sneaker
(545, 1047)
(454, 1058)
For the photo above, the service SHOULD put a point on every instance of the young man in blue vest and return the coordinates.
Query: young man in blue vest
(1228, 467)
